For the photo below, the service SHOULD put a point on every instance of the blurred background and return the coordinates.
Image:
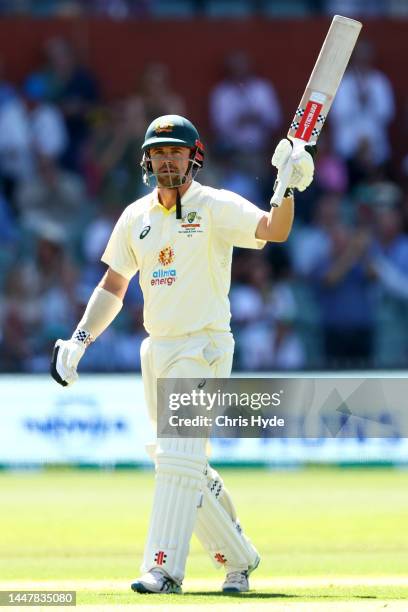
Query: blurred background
(80, 81)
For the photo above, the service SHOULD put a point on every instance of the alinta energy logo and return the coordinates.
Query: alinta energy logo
(166, 256)
(166, 276)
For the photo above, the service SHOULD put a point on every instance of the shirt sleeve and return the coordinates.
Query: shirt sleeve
(119, 254)
(236, 220)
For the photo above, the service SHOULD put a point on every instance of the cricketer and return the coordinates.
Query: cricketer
(180, 238)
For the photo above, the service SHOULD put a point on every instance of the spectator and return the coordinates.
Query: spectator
(157, 93)
(9, 240)
(330, 169)
(311, 243)
(363, 167)
(53, 195)
(267, 338)
(363, 108)
(390, 266)
(94, 241)
(343, 283)
(56, 281)
(38, 296)
(235, 177)
(8, 225)
(375, 193)
(74, 88)
(7, 90)
(287, 349)
(244, 110)
(48, 133)
(390, 252)
(272, 343)
(20, 317)
(113, 153)
(16, 158)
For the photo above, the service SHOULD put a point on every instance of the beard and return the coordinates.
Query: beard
(169, 180)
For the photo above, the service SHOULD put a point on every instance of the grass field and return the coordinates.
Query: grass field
(330, 539)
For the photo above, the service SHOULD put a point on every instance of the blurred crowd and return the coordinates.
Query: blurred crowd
(334, 296)
(142, 9)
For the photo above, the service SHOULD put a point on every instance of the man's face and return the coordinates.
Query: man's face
(169, 164)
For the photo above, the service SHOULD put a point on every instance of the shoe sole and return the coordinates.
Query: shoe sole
(139, 587)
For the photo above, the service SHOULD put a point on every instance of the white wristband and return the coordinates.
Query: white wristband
(102, 308)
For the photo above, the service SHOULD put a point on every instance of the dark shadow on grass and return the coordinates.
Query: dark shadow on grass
(253, 595)
(260, 595)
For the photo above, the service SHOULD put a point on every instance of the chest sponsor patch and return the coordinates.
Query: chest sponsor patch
(164, 275)
(166, 256)
(190, 223)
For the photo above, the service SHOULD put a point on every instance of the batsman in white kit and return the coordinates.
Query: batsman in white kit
(180, 239)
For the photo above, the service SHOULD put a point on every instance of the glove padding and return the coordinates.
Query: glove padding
(65, 359)
(301, 160)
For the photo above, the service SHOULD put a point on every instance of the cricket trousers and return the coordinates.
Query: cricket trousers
(189, 495)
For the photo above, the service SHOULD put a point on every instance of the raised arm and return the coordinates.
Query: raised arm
(276, 226)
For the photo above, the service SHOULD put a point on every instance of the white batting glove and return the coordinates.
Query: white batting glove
(302, 163)
(66, 356)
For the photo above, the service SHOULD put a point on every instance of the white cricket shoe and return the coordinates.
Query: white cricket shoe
(237, 582)
(155, 581)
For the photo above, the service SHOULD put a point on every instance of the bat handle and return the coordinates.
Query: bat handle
(281, 184)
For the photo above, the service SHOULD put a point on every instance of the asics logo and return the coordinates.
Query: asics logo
(144, 232)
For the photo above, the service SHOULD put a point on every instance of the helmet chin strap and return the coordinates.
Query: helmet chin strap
(178, 197)
(178, 204)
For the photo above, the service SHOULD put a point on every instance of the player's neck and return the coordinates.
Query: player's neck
(168, 197)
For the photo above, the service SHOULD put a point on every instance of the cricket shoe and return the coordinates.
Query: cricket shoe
(155, 581)
(237, 582)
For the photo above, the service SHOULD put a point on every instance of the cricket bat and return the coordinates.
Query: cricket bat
(320, 91)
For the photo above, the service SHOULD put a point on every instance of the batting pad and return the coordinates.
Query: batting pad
(180, 478)
(218, 529)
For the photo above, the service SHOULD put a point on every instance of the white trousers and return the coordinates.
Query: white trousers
(199, 355)
(184, 485)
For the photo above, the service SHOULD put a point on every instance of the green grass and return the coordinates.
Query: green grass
(89, 526)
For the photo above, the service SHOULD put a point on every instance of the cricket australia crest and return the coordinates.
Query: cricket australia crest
(162, 126)
(190, 223)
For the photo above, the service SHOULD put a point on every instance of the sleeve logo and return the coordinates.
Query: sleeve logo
(144, 232)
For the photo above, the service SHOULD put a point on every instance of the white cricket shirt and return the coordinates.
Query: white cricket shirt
(184, 264)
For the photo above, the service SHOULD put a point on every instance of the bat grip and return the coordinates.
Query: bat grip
(282, 184)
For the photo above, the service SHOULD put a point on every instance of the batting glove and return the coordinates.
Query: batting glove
(66, 356)
(301, 158)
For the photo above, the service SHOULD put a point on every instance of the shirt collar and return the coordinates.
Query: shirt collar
(185, 198)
